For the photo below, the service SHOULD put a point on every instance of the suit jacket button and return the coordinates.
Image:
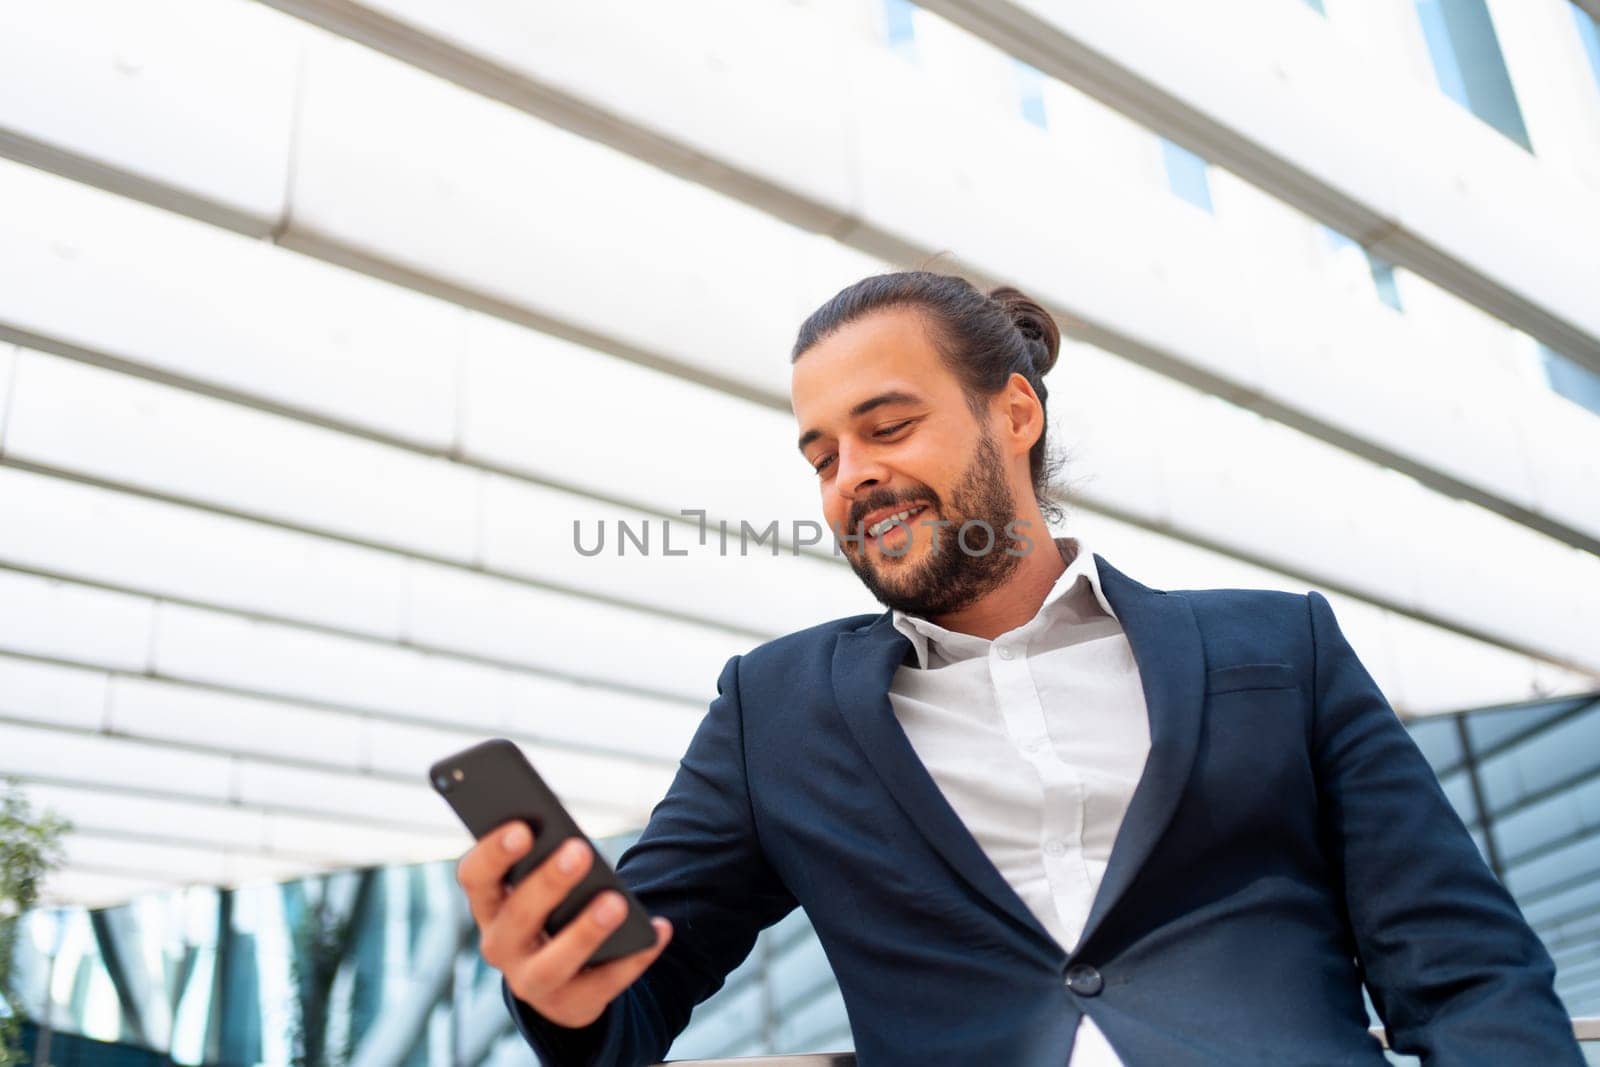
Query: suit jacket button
(1084, 980)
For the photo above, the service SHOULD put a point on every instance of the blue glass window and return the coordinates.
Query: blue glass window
(1030, 93)
(1572, 380)
(900, 28)
(1525, 778)
(1469, 65)
(1188, 175)
(1382, 271)
(1589, 34)
(1383, 281)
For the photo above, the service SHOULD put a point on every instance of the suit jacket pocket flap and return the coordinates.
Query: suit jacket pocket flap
(1249, 676)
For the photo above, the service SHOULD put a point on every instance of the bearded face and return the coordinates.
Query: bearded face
(925, 564)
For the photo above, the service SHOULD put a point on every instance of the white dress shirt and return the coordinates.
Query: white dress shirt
(1037, 739)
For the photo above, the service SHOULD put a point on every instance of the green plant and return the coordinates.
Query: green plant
(30, 848)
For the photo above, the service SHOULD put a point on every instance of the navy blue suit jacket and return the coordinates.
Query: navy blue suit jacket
(1286, 843)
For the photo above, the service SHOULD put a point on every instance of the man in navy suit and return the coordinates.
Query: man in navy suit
(1037, 812)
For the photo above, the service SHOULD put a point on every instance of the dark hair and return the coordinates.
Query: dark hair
(982, 338)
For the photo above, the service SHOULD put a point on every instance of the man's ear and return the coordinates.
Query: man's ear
(1024, 414)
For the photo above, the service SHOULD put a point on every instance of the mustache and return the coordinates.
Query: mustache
(860, 511)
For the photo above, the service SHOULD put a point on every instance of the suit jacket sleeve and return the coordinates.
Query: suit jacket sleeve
(698, 863)
(1453, 968)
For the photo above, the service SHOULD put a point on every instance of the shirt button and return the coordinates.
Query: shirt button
(1055, 848)
(1084, 980)
(1004, 653)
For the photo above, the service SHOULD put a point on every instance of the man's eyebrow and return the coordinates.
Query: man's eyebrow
(893, 396)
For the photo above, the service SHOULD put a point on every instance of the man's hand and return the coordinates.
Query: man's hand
(543, 971)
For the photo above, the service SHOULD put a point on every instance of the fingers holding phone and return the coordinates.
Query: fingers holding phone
(482, 871)
(548, 972)
(546, 906)
(575, 997)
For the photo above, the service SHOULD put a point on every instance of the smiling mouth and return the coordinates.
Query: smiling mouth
(884, 525)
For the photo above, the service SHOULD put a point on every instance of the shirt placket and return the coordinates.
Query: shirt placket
(1062, 786)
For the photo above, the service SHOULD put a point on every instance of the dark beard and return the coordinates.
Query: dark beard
(949, 579)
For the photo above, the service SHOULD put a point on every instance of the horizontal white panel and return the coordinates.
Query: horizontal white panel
(1566, 487)
(662, 441)
(1421, 669)
(108, 811)
(43, 617)
(460, 611)
(558, 712)
(1536, 271)
(49, 693)
(298, 664)
(1437, 404)
(184, 864)
(244, 565)
(582, 543)
(362, 796)
(41, 755)
(164, 440)
(160, 711)
(1296, 503)
(8, 360)
(1435, 672)
(93, 889)
(337, 793)
(1124, 258)
(283, 661)
(113, 82)
(803, 88)
(579, 779)
(238, 827)
(33, 751)
(184, 298)
(336, 841)
(562, 263)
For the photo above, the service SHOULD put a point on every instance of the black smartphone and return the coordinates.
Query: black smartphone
(493, 783)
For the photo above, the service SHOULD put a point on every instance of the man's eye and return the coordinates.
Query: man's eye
(889, 430)
(820, 467)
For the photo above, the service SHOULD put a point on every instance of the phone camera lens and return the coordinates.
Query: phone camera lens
(443, 782)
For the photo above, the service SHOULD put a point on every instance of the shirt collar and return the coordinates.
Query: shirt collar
(1080, 564)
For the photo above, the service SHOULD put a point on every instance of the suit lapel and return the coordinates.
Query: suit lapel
(1165, 639)
(864, 663)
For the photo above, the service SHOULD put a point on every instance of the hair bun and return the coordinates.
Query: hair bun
(1034, 322)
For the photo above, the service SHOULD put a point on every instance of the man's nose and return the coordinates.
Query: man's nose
(858, 473)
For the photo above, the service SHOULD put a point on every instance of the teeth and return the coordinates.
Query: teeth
(878, 528)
